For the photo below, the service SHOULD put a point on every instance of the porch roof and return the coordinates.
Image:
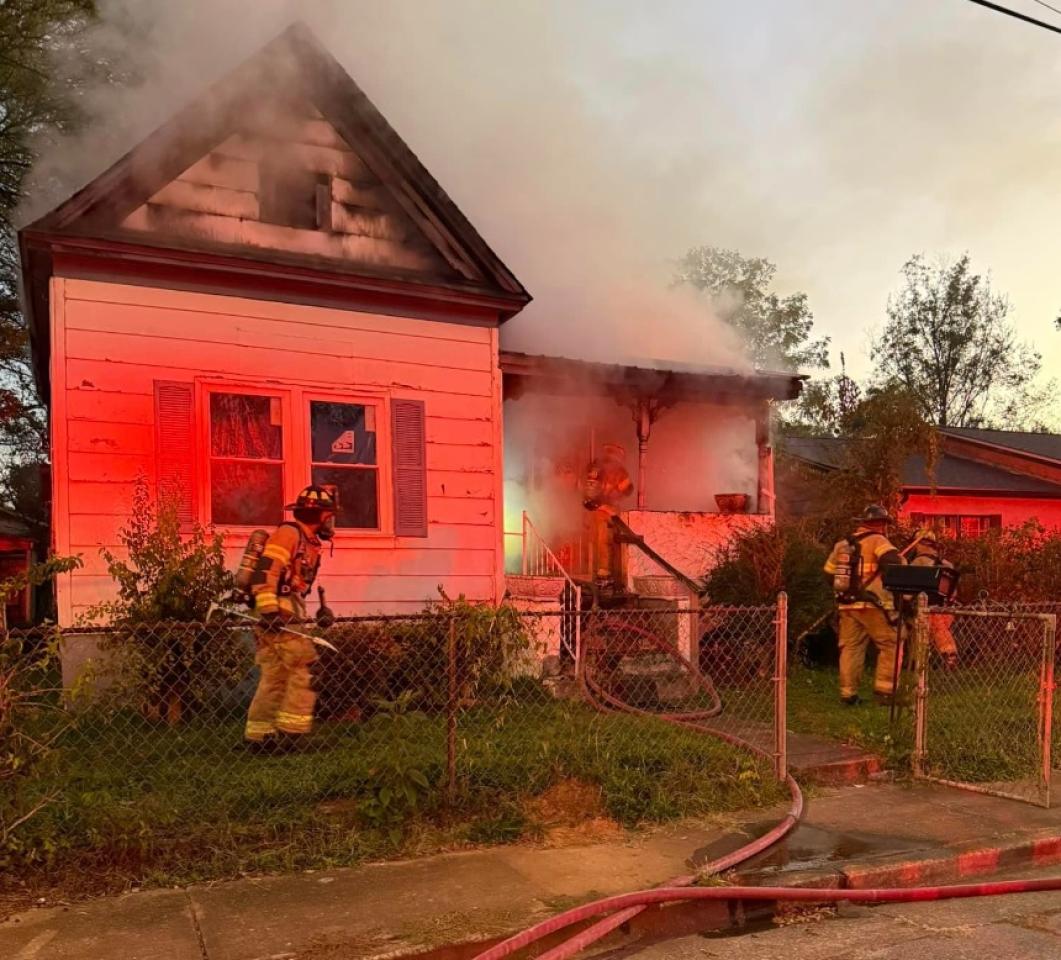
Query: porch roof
(526, 373)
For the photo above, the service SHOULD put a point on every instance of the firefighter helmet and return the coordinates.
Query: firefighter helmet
(314, 497)
(615, 451)
(927, 536)
(874, 513)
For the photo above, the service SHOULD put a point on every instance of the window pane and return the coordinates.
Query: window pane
(242, 425)
(358, 498)
(343, 432)
(249, 494)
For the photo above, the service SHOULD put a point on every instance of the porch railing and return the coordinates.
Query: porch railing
(539, 561)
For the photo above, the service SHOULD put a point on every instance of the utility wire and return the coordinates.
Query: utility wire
(1018, 16)
(1043, 3)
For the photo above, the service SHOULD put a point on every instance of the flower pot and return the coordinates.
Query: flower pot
(732, 502)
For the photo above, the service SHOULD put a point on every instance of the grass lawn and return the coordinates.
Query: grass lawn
(981, 728)
(148, 803)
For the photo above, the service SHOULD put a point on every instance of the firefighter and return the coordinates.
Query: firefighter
(282, 709)
(866, 610)
(604, 487)
(927, 553)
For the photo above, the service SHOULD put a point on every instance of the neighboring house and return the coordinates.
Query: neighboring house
(983, 479)
(271, 289)
(18, 539)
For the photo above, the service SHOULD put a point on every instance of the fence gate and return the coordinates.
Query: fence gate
(983, 722)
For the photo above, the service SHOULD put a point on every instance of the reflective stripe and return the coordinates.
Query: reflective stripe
(275, 552)
(294, 722)
(266, 602)
(258, 729)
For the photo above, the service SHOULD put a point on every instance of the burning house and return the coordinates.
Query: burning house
(272, 289)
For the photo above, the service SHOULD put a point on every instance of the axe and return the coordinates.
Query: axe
(319, 641)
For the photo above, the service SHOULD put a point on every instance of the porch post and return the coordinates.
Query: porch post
(644, 426)
(765, 497)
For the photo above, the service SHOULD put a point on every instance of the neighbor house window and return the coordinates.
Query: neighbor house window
(958, 525)
(246, 459)
(344, 454)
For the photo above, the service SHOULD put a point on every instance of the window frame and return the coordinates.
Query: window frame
(297, 447)
(384, 493)
(950, 524)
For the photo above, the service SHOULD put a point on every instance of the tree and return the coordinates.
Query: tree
(824, 406)
(37, 97)
(949, 342)
(880, 434)
(778, 331)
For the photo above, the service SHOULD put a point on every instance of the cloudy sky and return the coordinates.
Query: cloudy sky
(594, 141)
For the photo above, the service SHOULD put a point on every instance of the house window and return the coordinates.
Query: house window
(344, 455)
(258, 454)
(246, 459)
(959, 525)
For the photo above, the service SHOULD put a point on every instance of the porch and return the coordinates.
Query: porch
(701, 463)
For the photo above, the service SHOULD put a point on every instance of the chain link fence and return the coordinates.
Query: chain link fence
(478, 724)
(985, 700)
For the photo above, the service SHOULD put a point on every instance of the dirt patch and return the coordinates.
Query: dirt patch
(598, 830)
(571, 812)
(565, 804)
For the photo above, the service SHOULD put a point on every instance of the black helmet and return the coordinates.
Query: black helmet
(874, 513)
(315, 498)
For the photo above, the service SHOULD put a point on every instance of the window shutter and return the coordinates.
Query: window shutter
(409, 439)
(175, 445)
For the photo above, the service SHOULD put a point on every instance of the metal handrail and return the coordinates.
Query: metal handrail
(546, 563)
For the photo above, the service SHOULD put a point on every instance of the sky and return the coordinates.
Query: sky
(592, 142)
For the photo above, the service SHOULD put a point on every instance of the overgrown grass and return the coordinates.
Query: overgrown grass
(139, 802)
(814, 707)
(978, 730)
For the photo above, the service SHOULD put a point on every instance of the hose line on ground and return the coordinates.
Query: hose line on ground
(625, 907)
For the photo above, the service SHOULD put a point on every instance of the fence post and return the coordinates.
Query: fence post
(451, 714)
(781, 687)
(1046, 696)
(921, 701)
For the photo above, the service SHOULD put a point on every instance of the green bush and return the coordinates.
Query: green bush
(33, 718)
(384, 660)
(759, 563)
(160, 657)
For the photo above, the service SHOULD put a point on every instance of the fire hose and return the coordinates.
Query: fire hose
(623, 908)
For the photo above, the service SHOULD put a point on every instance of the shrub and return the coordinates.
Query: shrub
(161, 657)
(383, 660)
(32, 719)
(759, 563)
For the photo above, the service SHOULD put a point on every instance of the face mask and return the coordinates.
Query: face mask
(327, 527)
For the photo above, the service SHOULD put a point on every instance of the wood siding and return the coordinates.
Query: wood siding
(112, 342)
(221, 197)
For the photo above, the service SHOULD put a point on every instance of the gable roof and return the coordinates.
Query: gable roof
(294, 65)
(1046, 445)
(952, 472)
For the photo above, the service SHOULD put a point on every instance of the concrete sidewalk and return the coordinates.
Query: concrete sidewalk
(399, 908)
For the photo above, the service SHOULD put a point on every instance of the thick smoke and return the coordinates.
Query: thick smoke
(593, 141)
(560, 188)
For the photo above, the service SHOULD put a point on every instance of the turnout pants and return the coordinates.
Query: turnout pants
(284, 700)
(606, 549)
(858, 626)
(939, 632)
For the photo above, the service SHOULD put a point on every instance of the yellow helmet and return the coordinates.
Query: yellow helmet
(927, 536)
